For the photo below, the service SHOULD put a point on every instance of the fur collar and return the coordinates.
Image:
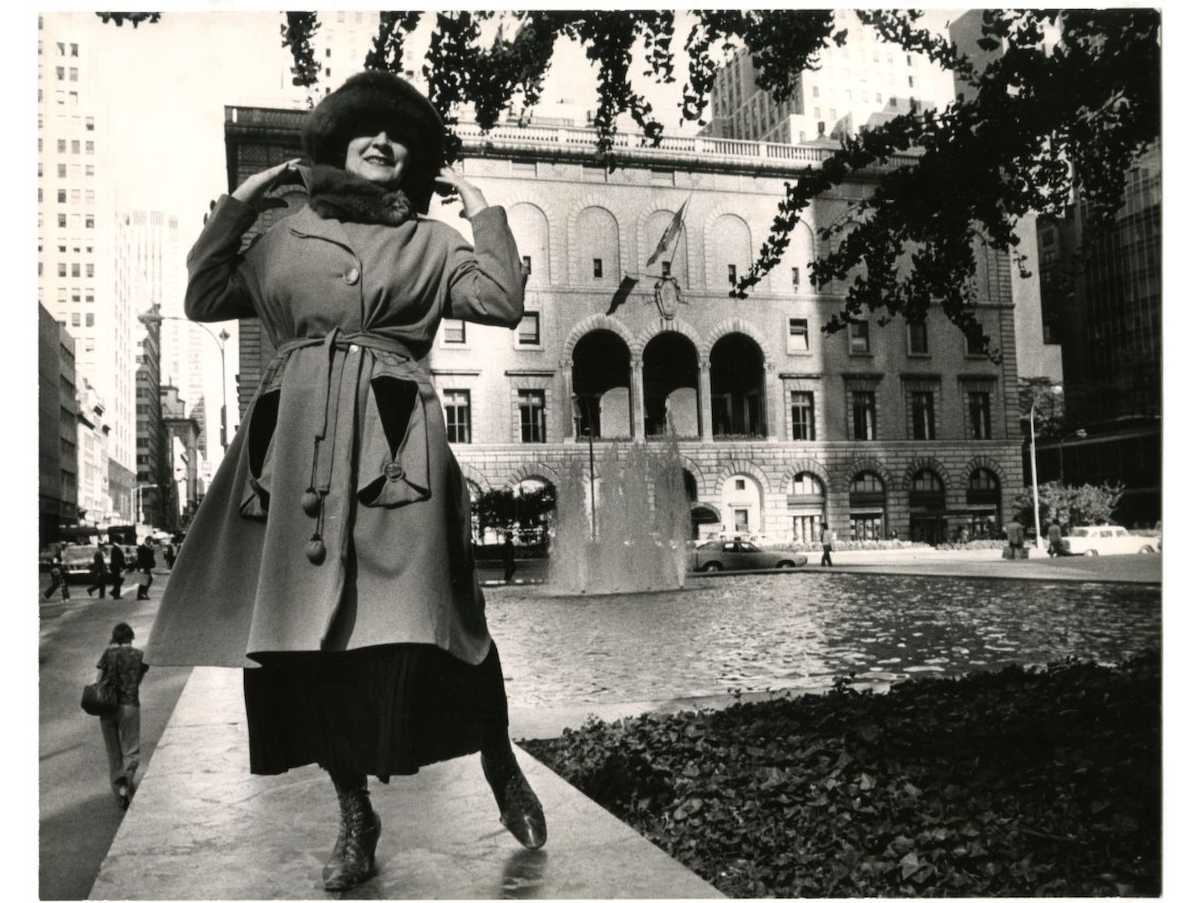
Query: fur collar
(336, 194)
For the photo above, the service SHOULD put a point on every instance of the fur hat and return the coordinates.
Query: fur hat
(368, 103)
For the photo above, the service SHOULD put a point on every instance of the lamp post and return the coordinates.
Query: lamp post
(579, 400)
(1037, 520)
(153, 316)
(137, 500)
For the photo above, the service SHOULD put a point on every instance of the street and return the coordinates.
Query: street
(78, 815)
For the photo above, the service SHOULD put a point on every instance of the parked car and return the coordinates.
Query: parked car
(1107, 539)
(740, 555)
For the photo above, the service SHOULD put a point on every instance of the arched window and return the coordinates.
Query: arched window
(868, 507)
(806, 507)
(983, 502)
(927, 508)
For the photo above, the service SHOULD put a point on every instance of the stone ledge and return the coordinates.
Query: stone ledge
(202, 827)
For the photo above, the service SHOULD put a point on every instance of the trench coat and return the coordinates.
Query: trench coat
(339, 518)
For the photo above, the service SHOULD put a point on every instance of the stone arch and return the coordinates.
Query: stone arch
(533, 470)
(541, 271)
(591, 199)
(638, 346)
(746, 466)
(857, 465)
(805, 465)
(712, 279)
(697, 473)
(987, 464)
(727, 327)
(918, 464)
(647, 241)
(590, 324)
(476, 476)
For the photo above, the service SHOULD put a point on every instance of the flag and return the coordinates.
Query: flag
(622, 293)
(672, 232)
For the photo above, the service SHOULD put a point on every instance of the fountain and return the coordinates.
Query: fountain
(622, 527)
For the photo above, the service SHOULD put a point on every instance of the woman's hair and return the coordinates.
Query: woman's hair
(371, 102)
(122, 633)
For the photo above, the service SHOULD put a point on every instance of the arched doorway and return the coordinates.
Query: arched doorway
(806, 507)
(868, 507)
(927, 508)
(741, 500)
(983, 503)
(737, 387)
(600, 380)
(670, 386)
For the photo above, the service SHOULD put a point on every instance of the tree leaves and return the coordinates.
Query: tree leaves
(1006, 783)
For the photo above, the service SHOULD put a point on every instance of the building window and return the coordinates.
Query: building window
(797, 340)
(975, 345)
(62, 195)
(979, 414)
(457, 406)
(733, 274)
(918, 338)
(74, 146)
(532, 406)
(62, 221)
(860, 337)
(864, 416)
(89, 319)
(796, 278)
(91, 270)
(666, 268)
(526, 265)
(804, 421)
(89, 222)
(74, 319)
(62, 270)
(597, 268)
(62, 170)
(75, 270)
(922, 415)
(90, 146)
(62, 145)
(454, 332)
(529, 331)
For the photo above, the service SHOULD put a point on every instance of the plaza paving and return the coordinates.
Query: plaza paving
(201, 827)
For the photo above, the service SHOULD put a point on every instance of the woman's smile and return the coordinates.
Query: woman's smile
(376, 158)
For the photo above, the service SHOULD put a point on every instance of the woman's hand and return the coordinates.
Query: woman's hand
(254, 190)
(448, 182)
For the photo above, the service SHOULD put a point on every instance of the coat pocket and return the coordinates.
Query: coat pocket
(394, 460)
(260, 443)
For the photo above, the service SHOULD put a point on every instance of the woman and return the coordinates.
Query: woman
(331, 557)
(122, 666)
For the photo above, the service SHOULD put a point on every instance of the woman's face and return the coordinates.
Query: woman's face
(376, 158)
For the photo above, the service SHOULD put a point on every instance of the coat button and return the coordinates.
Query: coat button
(351, 276)
(393, 471)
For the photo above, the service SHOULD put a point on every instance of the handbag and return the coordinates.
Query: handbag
(99, 698)
(143, 578)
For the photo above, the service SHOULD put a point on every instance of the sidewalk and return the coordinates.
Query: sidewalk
(202, 827)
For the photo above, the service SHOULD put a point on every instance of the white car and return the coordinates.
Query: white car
(1107, 539)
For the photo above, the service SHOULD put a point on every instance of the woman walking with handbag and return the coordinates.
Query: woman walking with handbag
(346, 586)
(121, 666)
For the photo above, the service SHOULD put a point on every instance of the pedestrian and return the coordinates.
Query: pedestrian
(333, 548)
(58, 579)
(169, 554)
(116, 568)
(510, 562)
(145, 568)
(1015, 531)
(827, 536)
(97, 571)
(1054, 541)
(122, 666)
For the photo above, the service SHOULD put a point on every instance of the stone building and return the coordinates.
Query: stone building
(876, 429)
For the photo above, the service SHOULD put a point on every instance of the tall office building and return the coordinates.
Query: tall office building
(79, 273)
(861, 83)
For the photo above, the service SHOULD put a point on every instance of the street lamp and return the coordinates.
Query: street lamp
(579, 400)
(153, 316)
(137, 500)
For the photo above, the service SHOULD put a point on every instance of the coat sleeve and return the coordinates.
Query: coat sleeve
(486, 285)
(220, 285)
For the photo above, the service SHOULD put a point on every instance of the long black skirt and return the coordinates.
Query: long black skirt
(382, 710)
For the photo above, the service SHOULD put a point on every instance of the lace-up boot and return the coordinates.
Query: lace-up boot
(353, 859)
